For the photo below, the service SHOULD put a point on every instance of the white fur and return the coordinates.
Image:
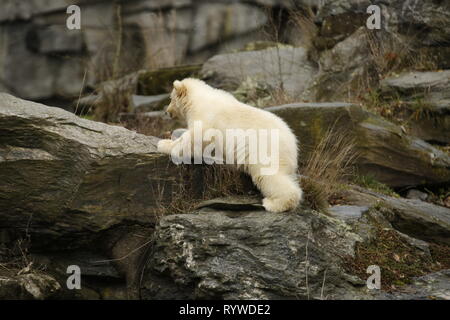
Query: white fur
(194, 100)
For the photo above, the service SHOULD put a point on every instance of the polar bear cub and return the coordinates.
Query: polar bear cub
(214, 109)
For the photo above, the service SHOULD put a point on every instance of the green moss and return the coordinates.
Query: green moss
(369, 182)
(160, 81)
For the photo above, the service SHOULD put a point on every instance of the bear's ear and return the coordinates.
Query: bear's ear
(180, 88)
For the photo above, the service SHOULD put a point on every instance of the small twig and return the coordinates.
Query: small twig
(127, 255)
(323, 284)
(307, 265)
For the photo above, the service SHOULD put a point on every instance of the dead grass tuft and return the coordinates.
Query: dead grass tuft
(203, 182)
(328, 166)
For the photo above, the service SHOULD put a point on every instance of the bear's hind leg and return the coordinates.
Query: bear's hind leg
(281, 192)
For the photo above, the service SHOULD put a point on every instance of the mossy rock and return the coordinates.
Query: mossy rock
(160, 81)
(385, 152)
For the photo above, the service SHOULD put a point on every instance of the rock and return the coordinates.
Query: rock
(149, 103)
(217, 21)
(161, 81)
(250, 255)
(427, 103)
(285, 67)
(342, 68)
(32, 75)
(235, 203)
(72, 176)
(385, 152)
(23, 72)
(417, 83)
(143, 5)
(345, 212)
(425, 20)
(418, 219)
(56, 39)
(417, 195)
(434, 286)
(13, 10)
(177, 133)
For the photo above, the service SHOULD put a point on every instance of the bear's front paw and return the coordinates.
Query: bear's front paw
(165, 146)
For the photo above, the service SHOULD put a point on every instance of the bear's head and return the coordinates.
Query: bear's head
(177, 108)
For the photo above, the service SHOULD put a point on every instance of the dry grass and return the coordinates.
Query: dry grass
(399, 261)
(394, 53)
(114, 98)
(202, 182)
(328, 166)
(302, 22)
(150, 126)
(390, 54)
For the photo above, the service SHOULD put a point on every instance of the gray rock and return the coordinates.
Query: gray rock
(416, 194)
(250, 255)
(144, 5)
(434, 286)
(177, 133)
(24, 72)
(148, 103)
(76, 176)
(427, 102)
(285, 67)
(57, 39)
(415, 218)
(217, 21)
(426, 20)
(413, 83)
(341, 68)
(24, 10)
(385, 152)
(233, 203)
(346, 212)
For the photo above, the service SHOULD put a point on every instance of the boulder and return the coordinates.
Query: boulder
(416, 218)
(57, 40)
(426, 106)
(214, 22)
(417, 84)
(24, 72)
(281, 67)
(160, 81)
(231, 249)
(250, 255)
(342, 68)
(68, 176)
(426, 20)
(385, 152)
(19, 10)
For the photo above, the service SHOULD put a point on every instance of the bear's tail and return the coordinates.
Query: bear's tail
(281, 192)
